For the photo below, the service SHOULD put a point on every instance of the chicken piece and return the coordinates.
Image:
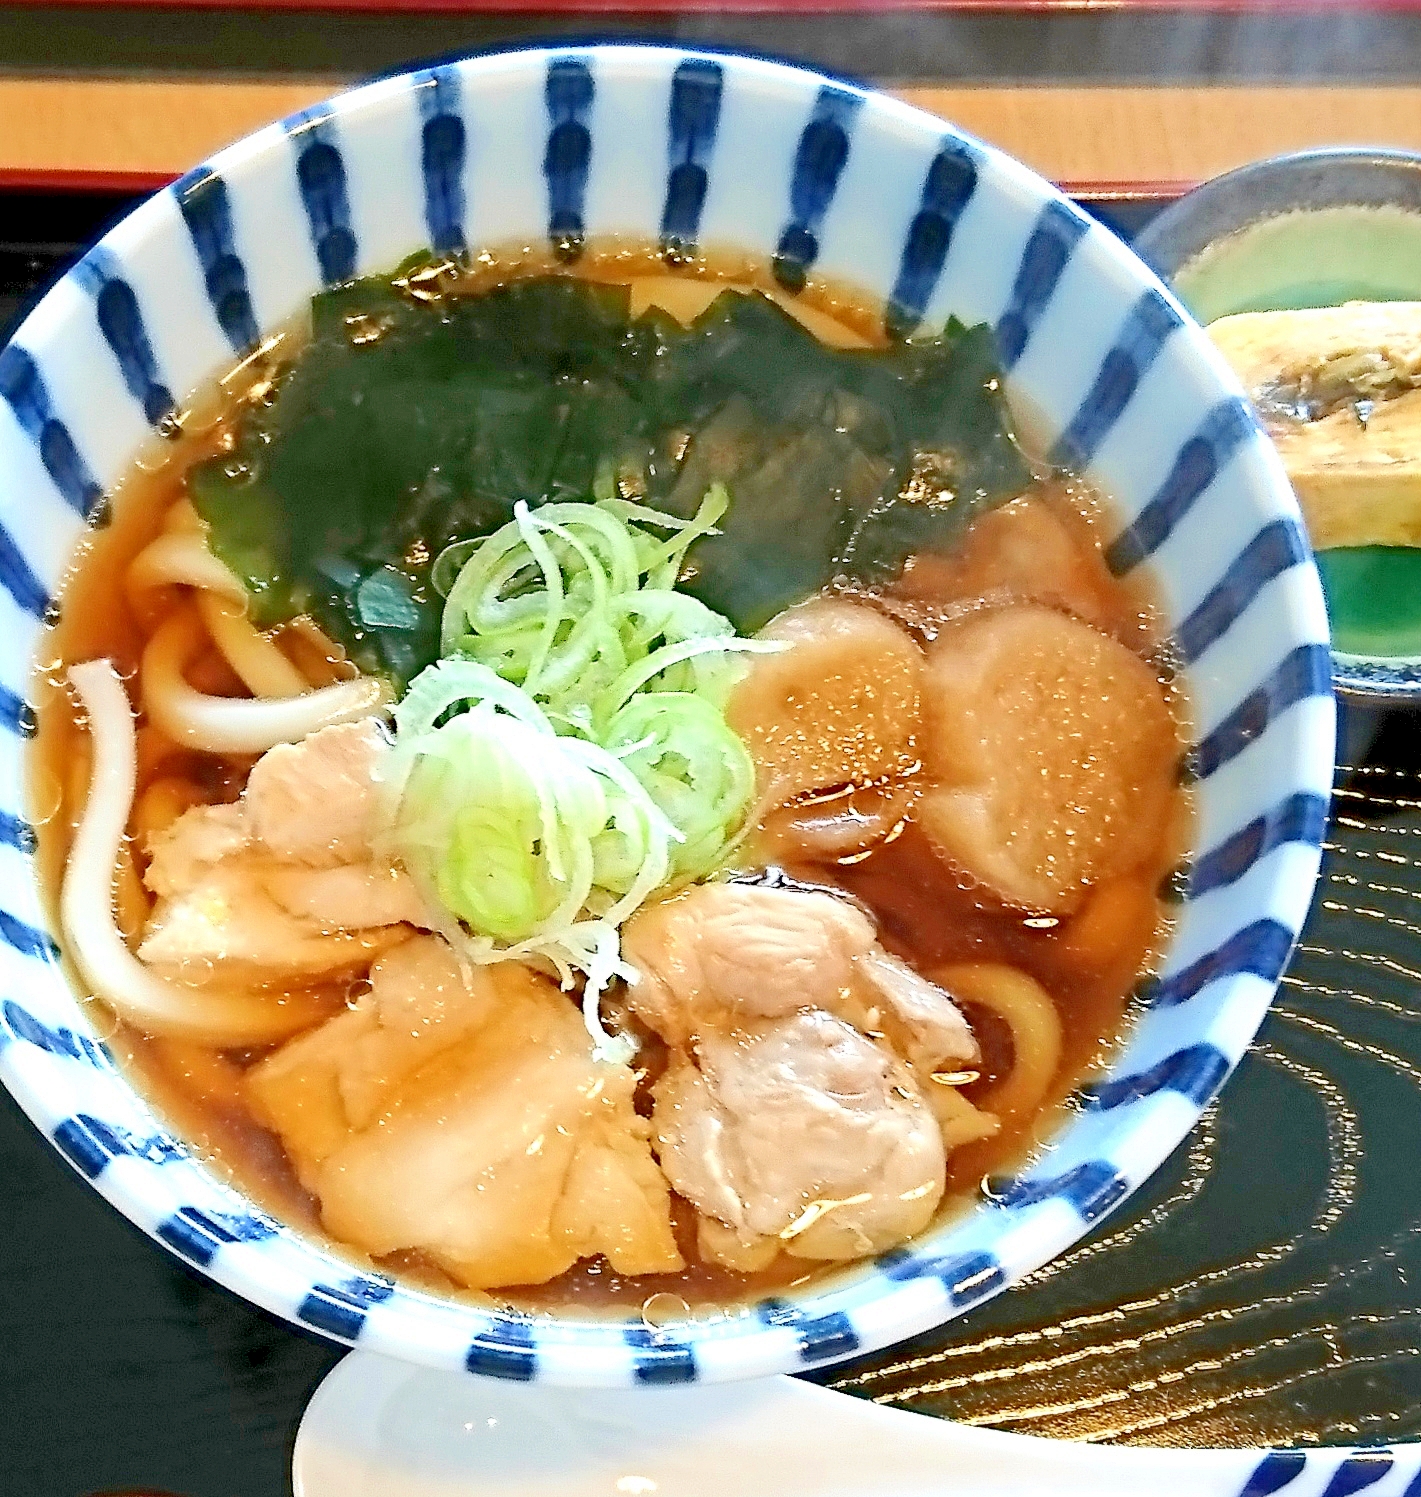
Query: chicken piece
(296, 1091)
(253, 887)
(921, 1022)
(355, 896)
(926, 1029)
(1052, 755)
(339, 1077)
(615, 1202)
(308, 803)
(468, 1121)
(803, 1130)
(192, 845)
(227, 927)
(724, 953)
(312, 802)
(425, 1000)
(839, 706)
(717, 1243)
(959, 1122)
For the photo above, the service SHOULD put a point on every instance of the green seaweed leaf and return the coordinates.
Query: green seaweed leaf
(412, 421)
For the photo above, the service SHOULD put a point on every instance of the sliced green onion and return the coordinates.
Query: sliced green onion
(569, 756)
(520, 833)
(565, 599)
(693, 766)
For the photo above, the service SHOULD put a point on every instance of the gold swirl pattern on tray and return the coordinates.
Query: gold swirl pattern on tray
(1265, 1288)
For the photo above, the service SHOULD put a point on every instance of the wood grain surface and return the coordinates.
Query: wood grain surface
(144, 130)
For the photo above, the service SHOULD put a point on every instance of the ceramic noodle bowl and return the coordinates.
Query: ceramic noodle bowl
(818, 178)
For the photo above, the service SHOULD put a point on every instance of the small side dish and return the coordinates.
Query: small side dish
(1306, 271)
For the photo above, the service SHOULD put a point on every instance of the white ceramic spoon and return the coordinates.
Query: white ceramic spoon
(379, 1428)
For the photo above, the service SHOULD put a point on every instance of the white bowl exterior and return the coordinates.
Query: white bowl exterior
(1121, 382)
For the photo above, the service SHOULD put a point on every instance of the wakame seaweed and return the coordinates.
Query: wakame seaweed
(409, 422)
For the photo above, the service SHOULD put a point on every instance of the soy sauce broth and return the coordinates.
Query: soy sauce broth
(1089, 963)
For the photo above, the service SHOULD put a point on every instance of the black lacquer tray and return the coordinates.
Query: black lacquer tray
(1262, 1291)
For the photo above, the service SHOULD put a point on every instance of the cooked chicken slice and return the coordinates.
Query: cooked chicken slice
(296, 1092)
(927, 1029)
(354, 896)
(339, 1077)
(803, 1130)
(254, 887)
(959, 1121)
(193, 844)
(839, 706)
(312, 802)
(922, 1023)
(724, 953)
(424, 1000)
(1051, 751)
(615, 1202)
(226, 926)
(720, 1244)
(493, 1143)
(308, 803)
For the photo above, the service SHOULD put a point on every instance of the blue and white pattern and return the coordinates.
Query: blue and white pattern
(820, 179)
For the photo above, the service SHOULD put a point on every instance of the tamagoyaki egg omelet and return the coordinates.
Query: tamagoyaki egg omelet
(1339, 391)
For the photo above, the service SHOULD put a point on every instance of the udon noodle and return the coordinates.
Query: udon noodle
(217, 619)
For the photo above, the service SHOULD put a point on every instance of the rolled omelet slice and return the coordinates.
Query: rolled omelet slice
(1339, 391)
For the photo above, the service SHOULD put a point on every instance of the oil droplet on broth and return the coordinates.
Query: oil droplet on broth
(197, 970)
(664, 1309)
(204, 1148)
(155, 460)
(46, 795)
(100, 1018)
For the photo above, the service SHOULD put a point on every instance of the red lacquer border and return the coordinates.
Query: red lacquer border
(127, 184)
(1151, 190)
(777, 7)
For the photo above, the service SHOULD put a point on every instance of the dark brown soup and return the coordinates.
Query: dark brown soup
(880, 841)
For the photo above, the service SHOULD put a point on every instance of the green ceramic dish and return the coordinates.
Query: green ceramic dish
(1313, 230)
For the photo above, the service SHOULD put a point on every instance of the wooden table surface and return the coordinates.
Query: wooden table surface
(1087, 93)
